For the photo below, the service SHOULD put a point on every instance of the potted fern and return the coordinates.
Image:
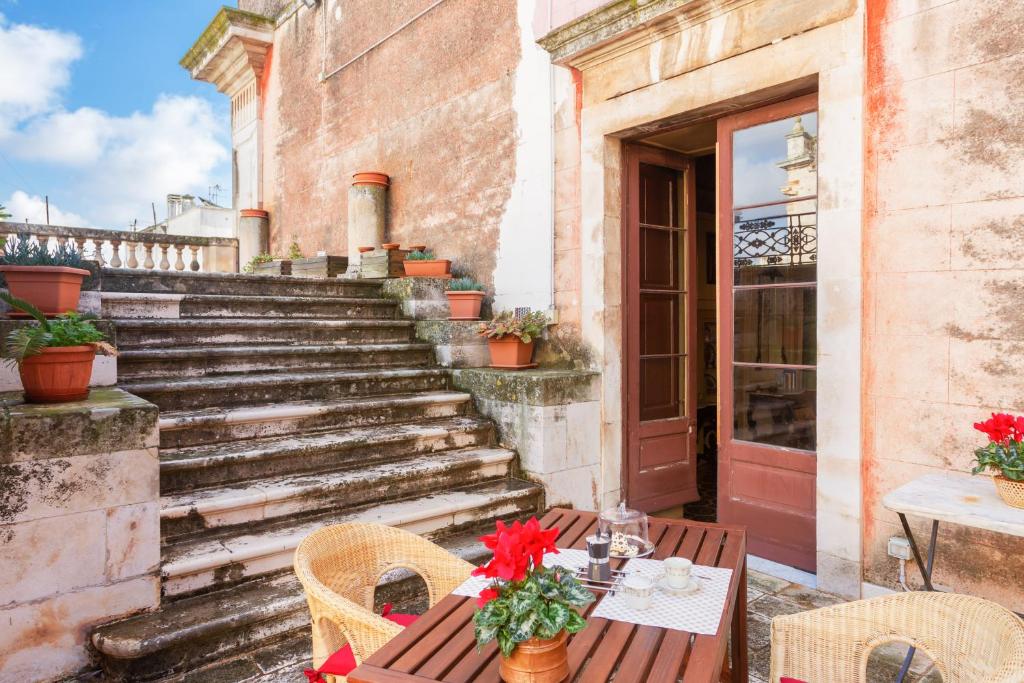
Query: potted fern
(54, 357)
(465, 295)
(510, 338)
(51, 282)
(425, 264)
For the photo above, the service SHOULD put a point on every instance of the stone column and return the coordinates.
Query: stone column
(253, 234)
(367, 215)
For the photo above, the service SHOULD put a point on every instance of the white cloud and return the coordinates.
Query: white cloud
(32, 208)
(36, 67)
(72, 138)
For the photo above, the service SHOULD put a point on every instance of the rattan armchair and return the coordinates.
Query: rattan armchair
(969, 639)
(340, 566)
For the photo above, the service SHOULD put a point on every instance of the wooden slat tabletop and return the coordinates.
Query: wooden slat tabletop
(439, 646)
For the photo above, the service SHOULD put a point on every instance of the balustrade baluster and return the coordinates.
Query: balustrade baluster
(179, 263)
(194, 266)
(148, 263)
(97, 246)
(164, 263)
(80, 242)
(115, 258)
(132, 249)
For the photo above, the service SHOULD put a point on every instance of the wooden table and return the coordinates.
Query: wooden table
(440, 646)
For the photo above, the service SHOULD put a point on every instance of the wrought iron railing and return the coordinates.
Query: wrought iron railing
(783, 240)
(137, 250)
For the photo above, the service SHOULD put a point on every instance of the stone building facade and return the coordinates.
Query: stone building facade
(507, 128)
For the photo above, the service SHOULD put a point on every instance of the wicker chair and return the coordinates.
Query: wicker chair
(969, 639)
(340, 566)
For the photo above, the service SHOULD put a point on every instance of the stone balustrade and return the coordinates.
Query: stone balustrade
(137, 250)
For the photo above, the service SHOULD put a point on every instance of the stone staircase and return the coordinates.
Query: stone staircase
(286, 404)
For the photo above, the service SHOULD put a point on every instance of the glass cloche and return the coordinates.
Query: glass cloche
(627, 530)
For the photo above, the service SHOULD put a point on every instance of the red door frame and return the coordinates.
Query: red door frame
(786, 532)
(634, 155)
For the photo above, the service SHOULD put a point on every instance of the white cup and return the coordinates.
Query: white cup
(638, 591)
(677, 571)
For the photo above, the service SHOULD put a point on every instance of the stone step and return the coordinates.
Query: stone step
(136, 332)
(115, 305)
(257, 501)
(206, 562)
(195, 467)
(264, 622)
(164, 282)
(204, 361)
(186, 428)
(233, 390)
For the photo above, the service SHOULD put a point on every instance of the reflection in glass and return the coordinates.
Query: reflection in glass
(775, 325)
(776, 244)
(775, 406)
(776, 161)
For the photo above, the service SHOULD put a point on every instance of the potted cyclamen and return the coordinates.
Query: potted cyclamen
(54, 357)
(1004, 455)
(527, 607)
(510, 338)
(51, 282)
(425, 264)
(465, 295)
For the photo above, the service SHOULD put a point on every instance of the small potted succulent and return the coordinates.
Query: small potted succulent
(54, 357)
(528, 608)
(51, 282)
(1004, 456)
(464, 298)
(425, 264)
(510, 338)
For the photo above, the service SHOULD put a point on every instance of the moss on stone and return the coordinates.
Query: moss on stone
(529, 387)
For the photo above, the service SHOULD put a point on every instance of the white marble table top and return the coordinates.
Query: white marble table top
(957, 498)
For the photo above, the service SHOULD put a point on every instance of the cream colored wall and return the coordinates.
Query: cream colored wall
(726, 57)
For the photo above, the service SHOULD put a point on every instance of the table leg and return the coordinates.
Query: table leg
(926, 574)
(740, 671)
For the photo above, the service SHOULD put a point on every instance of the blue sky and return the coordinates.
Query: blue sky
(96, 112)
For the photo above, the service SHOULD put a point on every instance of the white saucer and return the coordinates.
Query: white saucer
(690, 589)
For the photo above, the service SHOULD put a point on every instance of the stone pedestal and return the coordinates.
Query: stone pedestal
(367, 215)
(80, 526)
(552, 418)
(253, 234)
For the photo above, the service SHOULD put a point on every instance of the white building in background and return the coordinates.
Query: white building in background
(196, 217)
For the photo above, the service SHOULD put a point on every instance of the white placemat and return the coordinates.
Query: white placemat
(697, 613)
(570, 559)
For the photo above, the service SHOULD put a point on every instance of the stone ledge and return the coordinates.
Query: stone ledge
(529, 387)
(456, 343)
(110, 420)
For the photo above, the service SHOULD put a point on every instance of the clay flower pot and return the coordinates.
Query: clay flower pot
(537, 661)
(1012, 492)
(464, 305)
(435, 268)
(57, 375)
(363, 250)
(371, 178)
(511, 353)
(417, 247)
(390, 246)
(51, 289)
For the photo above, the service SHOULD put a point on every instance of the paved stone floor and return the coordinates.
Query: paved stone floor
(768, 596)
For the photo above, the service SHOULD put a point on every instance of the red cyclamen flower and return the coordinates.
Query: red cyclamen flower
(1002, 428)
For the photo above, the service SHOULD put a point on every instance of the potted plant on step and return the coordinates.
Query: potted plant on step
(464, 298)
(425, 264)
(529, 608)
(1004, 456)
(54, 357)
(50, 282)
(510, 338)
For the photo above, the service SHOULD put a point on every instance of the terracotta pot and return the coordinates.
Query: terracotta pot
(435, 268)
(1012, 492)
(51, 289)
(363, 250)
(371, 178)
(390, 246)
(417, 247)
(253, 213)
(465, 305)
(537, 661)
(58, 374)
(510, 352)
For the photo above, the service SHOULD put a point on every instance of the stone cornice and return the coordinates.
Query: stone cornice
(231, 49)
(625, 24)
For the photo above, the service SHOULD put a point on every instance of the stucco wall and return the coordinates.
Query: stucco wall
(432, 106)
(944, 337)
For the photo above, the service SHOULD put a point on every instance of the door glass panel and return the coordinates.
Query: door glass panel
(660, 388)
(775, 325)
(774, 222)
(658, 196)
(659, 324)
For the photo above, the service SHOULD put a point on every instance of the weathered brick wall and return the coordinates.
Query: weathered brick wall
(944, 334)
(430, 106)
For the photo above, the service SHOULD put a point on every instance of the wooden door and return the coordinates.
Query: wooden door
(767, 316)
(659, 289)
